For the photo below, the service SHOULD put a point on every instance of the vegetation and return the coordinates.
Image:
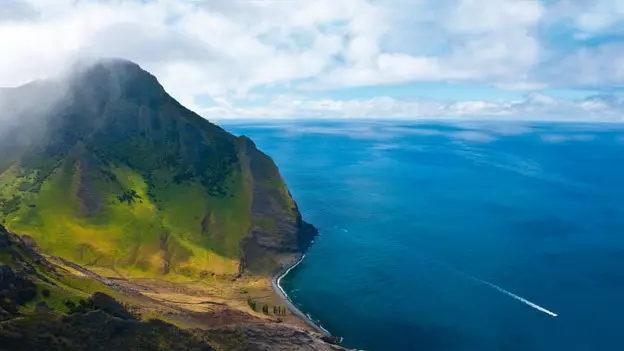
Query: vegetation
(129, 196)
(252, 303)
(44, 306)
(10, 205)
(122, 179)
(139, 185)
(279, 310)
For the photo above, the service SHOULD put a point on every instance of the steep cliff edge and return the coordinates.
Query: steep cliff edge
(278, 232)
(107, 170)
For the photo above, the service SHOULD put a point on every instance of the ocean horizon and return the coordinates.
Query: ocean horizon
(457, 235)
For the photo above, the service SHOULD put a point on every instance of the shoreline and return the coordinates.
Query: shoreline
(277, 288)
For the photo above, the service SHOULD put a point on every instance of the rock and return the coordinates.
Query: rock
(4, 238)
(273, 336)
(111, 306)
(15, 290)
(4, 315)
(331, 339)
(7, 277)
(29, 241)
(278, 229)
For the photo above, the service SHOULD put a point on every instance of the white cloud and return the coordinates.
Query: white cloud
(193, 48)
(488, 41)
(237, 45)
(604, 108)
(598, 108)
(224, 49)
(595, 16)
(592, 66)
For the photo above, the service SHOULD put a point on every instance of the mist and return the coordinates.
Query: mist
(28, 113)
(25, 111)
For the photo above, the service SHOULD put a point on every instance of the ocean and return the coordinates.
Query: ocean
(457, 235)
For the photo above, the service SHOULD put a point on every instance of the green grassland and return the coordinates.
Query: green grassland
(45, 306)
(48, 283)
(173, 227)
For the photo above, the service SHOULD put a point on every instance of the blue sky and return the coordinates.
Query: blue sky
(266, 59)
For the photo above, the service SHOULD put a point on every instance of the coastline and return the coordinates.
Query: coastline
(277, 288)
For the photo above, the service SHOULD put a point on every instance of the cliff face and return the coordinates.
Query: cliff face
(279, 231)
(108, 170)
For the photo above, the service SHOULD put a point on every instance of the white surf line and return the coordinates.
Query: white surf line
(279, 280)
(291, 306)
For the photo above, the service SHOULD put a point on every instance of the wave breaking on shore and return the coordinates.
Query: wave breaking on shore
(277, 287)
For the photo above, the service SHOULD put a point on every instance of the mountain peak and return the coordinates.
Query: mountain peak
(109, 64)
(116, 78)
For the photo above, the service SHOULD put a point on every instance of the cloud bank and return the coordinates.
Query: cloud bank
(287, 58)
(536, 107)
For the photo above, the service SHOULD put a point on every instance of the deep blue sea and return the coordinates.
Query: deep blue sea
(423, 224)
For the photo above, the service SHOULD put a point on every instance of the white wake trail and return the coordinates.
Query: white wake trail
(509, 293)
(491, 285)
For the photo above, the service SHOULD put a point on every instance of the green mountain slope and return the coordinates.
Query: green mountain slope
(116, 174)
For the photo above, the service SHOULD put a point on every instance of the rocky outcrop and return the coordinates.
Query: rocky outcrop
(15, 290)
(272, 336)
(277, 227)
(94, 330)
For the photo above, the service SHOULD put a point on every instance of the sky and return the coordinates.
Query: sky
(560, 60)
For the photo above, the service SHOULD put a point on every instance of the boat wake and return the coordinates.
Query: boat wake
(509, 293)
(491, 285)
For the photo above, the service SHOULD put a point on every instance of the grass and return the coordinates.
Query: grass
(161, 191)
(169, 225)
(206, 303)
(53, 286)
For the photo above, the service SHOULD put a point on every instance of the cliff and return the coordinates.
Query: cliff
(105, 169)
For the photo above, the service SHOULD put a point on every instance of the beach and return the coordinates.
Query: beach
(275, 283)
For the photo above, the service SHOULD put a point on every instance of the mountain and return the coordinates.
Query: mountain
(105, 169)
(129, 222)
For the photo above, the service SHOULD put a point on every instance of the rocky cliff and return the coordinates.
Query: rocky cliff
(105, 169)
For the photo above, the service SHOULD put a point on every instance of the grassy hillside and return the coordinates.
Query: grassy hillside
(45, 307)
(28, 279)
(48, 305)
(122, 177)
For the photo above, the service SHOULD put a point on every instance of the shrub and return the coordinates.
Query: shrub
(251, 303)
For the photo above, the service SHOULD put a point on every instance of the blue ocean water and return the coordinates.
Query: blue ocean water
(414, 217)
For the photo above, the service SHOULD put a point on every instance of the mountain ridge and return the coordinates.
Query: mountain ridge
(116, 174)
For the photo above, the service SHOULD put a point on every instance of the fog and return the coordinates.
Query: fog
(30, 111)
